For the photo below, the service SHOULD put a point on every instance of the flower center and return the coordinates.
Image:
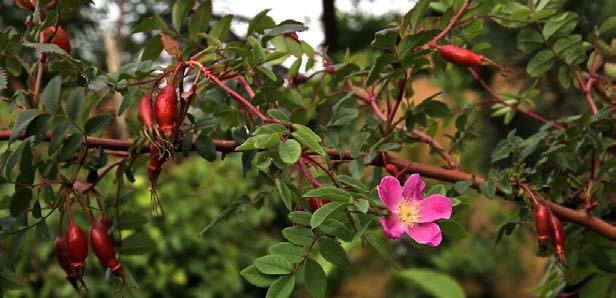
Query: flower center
(409, 212)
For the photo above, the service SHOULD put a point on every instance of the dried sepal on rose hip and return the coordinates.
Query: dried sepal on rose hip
(155, 167)
(467, 58)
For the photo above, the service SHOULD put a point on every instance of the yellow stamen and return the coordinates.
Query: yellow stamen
(409, 212)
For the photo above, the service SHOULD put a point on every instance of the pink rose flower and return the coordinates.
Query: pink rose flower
(410, 212)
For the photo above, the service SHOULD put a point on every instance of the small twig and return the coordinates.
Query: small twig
(499, 100)
(452, 22)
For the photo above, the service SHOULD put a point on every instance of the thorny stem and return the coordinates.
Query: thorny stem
(246, 86)
(399, 98)
(240, 99)
(421, 136)
(41, 65)
(498, 99)
(447, 175)
(586, 90)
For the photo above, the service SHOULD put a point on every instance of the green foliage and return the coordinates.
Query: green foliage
(309, 145)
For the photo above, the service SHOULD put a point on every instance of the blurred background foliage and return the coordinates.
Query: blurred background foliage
(182, 264)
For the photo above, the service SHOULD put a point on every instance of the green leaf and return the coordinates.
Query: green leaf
(333, 252)
(210, 38)
(150, 24)
(358, 143)
(267, 72)
(608, 25)
(256, 278)
(3, 79)
(290, 151)
(321, 214)
(138, 244)
(488, 188)
(300, 217)
(298, 235)
(564, 76)
(42, 231)
(205, 147)
(570, 48)
(260, 22)
(179, 12)
(562, 25)
(329, 192)
(289, 251)
(308, 138)
(243, 200)
(200, 20)
(504, 230)
(221, 28)
(282, 287)
(378, 246)
(74, 103)
(315, 279)
(152, 49)
(127, 99)
(540, 63)
(380, 63)
(433, 108)
(273, 264)
(385, 39)
(286, 195)
(529, 40)
(414, 16)
(285, 28)
(131, 220)
(453, 228)
(46, 48)
(50, 97)
(26, 171)
(22, 122)
(10, 280)
(70, 147)
(20, 201)
(436, 284)
(97, 123)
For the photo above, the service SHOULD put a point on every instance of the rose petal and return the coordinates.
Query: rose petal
(413, 188)
(393, 227)
(435, 207)
(389, 192)
(425, 233)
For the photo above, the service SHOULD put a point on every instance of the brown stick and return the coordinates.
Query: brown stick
(580, 218)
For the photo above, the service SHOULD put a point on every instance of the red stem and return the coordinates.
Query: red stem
(241, 100)
(451, 23)
(498, 99)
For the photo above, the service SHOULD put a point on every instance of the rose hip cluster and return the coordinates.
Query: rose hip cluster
(549, 227)
(72, 250)
(159, 120)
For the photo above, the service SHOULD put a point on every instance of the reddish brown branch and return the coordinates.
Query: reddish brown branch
(421, 136)
(240, 99)
(452, 22)
(226, 146)
(499, 100)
